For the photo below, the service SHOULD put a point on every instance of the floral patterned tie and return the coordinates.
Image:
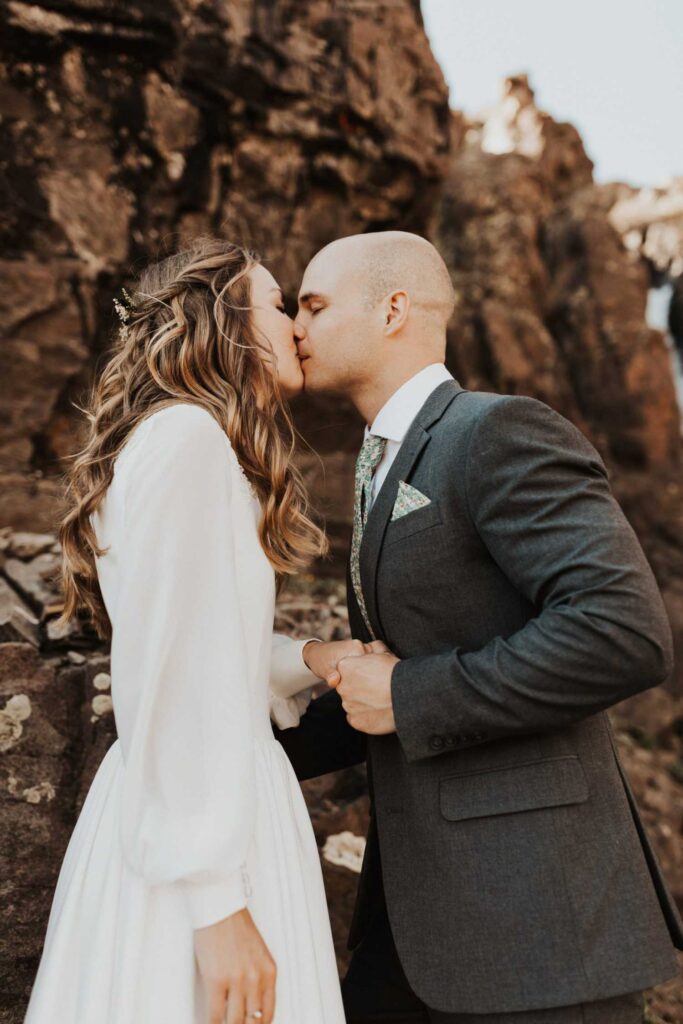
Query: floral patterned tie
(368, 459)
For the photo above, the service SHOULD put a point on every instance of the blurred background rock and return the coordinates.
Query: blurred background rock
(129, 127)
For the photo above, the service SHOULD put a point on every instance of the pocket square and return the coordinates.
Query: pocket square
(408, 499)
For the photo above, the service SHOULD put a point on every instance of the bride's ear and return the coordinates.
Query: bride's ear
(396, 311)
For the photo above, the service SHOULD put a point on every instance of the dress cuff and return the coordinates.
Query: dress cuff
(289, 672)
(286, 712)
(210, 902)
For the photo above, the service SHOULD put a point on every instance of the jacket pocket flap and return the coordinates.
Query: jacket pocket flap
(522, 787)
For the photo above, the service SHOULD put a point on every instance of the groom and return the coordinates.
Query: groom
(507, 876)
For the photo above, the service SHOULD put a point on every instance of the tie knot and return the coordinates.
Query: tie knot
(371, 453)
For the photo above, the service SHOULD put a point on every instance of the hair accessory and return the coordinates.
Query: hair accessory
(124, 308)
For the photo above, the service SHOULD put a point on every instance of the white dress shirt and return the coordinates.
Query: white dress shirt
(395, 417)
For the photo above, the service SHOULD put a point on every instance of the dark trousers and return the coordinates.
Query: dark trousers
(376, 991)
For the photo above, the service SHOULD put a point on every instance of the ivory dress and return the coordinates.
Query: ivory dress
(195, 811)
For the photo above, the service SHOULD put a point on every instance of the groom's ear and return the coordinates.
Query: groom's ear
(397, 306)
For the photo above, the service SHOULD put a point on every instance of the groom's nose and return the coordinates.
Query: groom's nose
(299, 331)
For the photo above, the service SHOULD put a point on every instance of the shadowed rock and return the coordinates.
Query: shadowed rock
(129, 127)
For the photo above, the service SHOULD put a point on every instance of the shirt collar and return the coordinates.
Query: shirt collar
(396, 415)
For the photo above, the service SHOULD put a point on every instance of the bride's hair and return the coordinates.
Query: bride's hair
(187, 336)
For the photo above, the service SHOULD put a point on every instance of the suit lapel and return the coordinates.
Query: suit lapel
(413, 445)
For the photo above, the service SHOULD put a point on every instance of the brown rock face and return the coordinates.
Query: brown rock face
(129, 126)
(552, 303)
(38, 727)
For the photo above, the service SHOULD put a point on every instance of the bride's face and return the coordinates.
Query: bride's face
(271, 321)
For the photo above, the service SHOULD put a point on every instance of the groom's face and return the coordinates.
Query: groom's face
(337, 335)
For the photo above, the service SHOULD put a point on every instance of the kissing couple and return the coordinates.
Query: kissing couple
(499, 603)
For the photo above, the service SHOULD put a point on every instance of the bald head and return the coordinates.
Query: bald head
(373, 311)
(383, 262)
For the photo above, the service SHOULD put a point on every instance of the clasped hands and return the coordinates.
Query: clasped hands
(361, 675)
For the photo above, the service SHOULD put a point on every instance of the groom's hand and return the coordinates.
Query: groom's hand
(365, 691)
(333, 677)
(322, 657)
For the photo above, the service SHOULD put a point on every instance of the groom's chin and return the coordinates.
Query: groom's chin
(310, 382)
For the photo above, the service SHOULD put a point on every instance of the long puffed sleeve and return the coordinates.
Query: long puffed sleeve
(179, 667)
(291, 681)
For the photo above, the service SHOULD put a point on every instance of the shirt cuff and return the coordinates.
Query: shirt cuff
(210, 902)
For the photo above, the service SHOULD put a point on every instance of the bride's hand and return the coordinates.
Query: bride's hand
(237, 970)
(323, 658)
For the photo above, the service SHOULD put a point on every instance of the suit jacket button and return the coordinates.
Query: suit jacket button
(450, 740)
(436, 742)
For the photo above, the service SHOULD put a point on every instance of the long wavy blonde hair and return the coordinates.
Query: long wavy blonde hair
(188, 336)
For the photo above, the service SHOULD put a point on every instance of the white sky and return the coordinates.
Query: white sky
(613, 68)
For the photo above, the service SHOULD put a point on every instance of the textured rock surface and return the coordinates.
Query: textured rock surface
(650, 220)
(130, 125)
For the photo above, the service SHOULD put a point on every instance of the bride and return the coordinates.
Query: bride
(191, 891)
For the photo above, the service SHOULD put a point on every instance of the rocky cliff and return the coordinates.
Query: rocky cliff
(128, 126)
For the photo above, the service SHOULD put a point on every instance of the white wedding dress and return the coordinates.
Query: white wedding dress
(195, 811)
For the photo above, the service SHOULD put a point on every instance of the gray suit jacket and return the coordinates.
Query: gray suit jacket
(516, 870)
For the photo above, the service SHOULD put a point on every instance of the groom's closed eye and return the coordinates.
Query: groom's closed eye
(312, 302)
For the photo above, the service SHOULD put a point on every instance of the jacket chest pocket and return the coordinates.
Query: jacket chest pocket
(413, 522)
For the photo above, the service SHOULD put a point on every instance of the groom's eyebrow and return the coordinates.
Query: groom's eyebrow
(308, 297)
